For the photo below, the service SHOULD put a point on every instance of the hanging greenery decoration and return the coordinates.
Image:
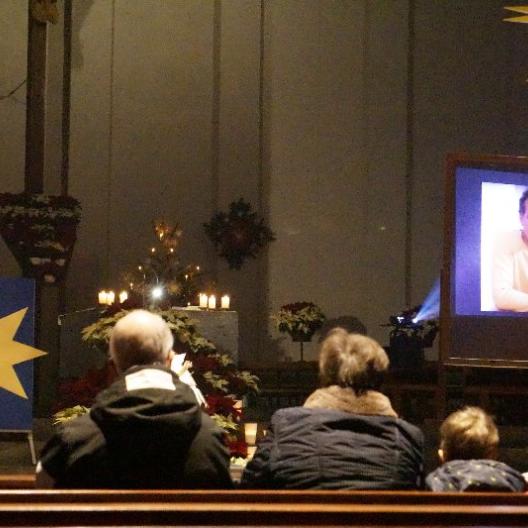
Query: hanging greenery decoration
(238, 234)
(40, 230)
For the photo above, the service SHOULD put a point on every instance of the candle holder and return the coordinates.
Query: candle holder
(250, 436)
(250, 433)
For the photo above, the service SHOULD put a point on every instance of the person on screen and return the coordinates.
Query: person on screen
(510, 265)
(469, 442)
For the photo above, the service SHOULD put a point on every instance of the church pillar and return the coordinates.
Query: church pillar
(46, 170)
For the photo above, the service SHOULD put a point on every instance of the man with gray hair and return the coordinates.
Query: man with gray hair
(146, 430)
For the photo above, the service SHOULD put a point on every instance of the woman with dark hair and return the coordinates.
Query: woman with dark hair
(346, 435)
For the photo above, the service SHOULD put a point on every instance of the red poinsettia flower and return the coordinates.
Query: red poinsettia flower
(237, 448)
(220, 404)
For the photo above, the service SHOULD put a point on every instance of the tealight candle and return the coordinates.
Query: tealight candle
(202, 300)
(250, 433)
(211, 303)
(224, 302)
(102, 297)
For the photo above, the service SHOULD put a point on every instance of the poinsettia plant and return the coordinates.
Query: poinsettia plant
(299, 318)
(215, 373)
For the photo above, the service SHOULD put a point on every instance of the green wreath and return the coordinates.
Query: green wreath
(238, 234)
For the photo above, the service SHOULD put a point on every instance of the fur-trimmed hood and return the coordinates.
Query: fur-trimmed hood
(345, 399)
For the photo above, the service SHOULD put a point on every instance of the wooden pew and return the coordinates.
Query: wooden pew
(259, 508)
(17, 481)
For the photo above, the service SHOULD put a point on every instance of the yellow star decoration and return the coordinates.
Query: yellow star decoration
(518, 19)
(12, 353)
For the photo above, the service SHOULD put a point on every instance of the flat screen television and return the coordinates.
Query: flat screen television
(484, 283)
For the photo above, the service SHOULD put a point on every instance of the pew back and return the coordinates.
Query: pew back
(259, 508)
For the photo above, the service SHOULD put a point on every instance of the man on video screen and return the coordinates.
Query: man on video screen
(510, 265)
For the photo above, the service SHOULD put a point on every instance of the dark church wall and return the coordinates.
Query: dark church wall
(331, 117)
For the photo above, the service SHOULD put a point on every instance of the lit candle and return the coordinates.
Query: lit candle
(102, 296)
(224, 302)
(123, 296)
(250, 433)
(110, 298)
(157, 292)
(211, 303)
(203, 300)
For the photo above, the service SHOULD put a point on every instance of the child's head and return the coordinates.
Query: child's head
(468, 433)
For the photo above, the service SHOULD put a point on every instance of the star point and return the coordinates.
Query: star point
(518, 9)
(13, 352)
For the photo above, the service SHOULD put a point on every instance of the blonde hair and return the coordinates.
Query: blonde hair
(351, 360)
(140, 338)
(469, 433)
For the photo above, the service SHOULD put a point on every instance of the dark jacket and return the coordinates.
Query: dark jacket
(475, 475)
(148, 437)
(310, 448)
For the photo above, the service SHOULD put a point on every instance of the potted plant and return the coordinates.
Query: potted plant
(40, 231)
(300, 320)
(409, 336)
(215, 373)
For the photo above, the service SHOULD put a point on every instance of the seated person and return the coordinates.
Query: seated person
(469, 443)
(346, 435)
(146, 430)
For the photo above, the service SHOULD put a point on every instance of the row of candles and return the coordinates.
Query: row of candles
(109, 297)
(205, 301)
(209, 301)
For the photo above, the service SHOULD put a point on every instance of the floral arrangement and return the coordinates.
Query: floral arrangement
(215, 374)
(299, 319)
(40, 231)
(410, 335)
(162, 266)
(238, 234)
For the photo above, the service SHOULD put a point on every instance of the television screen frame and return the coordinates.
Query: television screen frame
(472, 334)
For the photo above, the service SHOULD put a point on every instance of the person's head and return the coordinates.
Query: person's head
(351, 360)
(466, 434)
(523, 211)
(140, 338)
